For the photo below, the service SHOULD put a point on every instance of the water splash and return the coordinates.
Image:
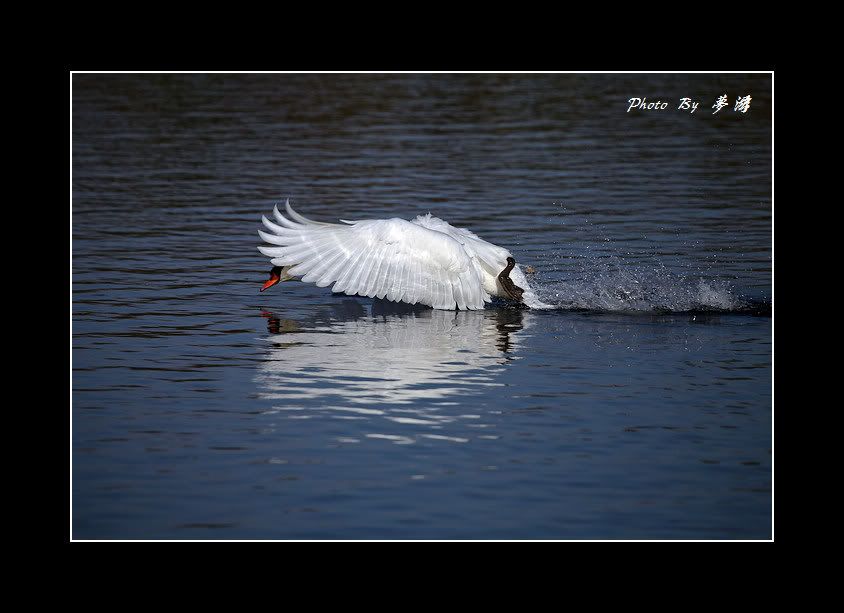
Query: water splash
(639, 289)
(596, 272)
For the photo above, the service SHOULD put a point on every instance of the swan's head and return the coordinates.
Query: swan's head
(277, 274)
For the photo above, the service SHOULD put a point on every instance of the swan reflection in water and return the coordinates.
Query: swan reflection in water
(389, 361)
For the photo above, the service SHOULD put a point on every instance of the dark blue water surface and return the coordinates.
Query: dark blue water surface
(640, 408)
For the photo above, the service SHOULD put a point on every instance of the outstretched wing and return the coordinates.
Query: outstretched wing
(387, 258)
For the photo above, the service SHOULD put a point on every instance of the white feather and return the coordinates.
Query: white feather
(426, 260)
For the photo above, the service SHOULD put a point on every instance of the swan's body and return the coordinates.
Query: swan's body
(425, 261)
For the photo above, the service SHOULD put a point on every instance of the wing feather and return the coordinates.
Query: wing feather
(286, 222)
(410, 284)
(294, 254)
(361, 270)
(328, 273)
(328, 258)
(302, 219)
(438, 291)
(458, 294)
(473, 291)
(332, 272)
(421, 285)
(349, 268)
(442, 290)
(368, 285)
(395, 292)
(384, 277)
(389, 258)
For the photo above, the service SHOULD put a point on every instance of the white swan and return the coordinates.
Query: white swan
(425, 261)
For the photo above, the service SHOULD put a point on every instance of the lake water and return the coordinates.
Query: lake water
(640, 408)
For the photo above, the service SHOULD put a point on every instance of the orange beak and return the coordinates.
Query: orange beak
(275, 277)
